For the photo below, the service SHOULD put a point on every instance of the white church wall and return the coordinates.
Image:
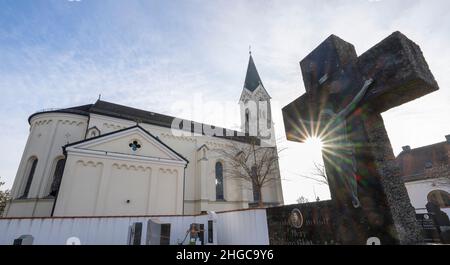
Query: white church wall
(39, 207)
(233, 228)
(20, 208)
(95, 186)
(48, 133)
(138, 181)
(79, 187)
(419, 190)
(43, 207)
(108, 124)
(200, 194)
(187, 146)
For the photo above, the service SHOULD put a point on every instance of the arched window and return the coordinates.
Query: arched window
(219, 181)
(57, 177)
(440, 198)
(92, 132)
(256, 191)
(247, 121)
(29, 173)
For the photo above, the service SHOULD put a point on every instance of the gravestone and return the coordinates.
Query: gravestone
(210, 231)
(302, 224)
(24, 240)
(345, 96)
(135, 234)
(197, 234)
(158, 233)
(441, 220)
(430, 230)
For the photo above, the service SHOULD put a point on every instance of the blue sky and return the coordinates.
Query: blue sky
(157, 55)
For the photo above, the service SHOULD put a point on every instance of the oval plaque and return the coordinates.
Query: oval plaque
(296, 218)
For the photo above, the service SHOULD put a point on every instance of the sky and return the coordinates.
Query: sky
(162, 56)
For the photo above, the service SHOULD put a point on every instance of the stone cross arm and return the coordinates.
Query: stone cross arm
(333, 72)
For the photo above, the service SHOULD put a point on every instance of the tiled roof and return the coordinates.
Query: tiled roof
(417, 163)
(142, 116)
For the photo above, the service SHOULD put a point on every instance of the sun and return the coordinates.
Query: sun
(314, 143)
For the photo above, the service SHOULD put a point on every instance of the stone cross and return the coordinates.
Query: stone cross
(334, 77)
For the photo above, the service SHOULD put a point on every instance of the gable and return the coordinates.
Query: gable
(139, 146)
(132, 142)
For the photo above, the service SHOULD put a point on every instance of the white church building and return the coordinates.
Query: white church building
(105, 159)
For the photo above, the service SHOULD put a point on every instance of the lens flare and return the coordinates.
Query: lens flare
(314, 143)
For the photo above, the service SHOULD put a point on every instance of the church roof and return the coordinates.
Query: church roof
(140, 116)
(252, 79)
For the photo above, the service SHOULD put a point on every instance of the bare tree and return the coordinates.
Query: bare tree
(5, 196)
(253, 164)
(318, 174)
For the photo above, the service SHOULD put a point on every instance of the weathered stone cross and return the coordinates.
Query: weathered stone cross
(343, 107)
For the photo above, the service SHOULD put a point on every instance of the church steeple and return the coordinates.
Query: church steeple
(252, 79)
(256, 113)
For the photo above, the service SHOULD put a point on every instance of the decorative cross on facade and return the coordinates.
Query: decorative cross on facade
(134, 146)
(357, 154)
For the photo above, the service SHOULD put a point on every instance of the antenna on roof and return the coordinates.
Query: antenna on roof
(99, 96)
(250, 49)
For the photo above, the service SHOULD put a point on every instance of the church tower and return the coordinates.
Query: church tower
(256, 113)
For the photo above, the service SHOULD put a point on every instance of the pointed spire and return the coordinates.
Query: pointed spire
(252, 79)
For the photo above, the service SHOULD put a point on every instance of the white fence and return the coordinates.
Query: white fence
(235, 227)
